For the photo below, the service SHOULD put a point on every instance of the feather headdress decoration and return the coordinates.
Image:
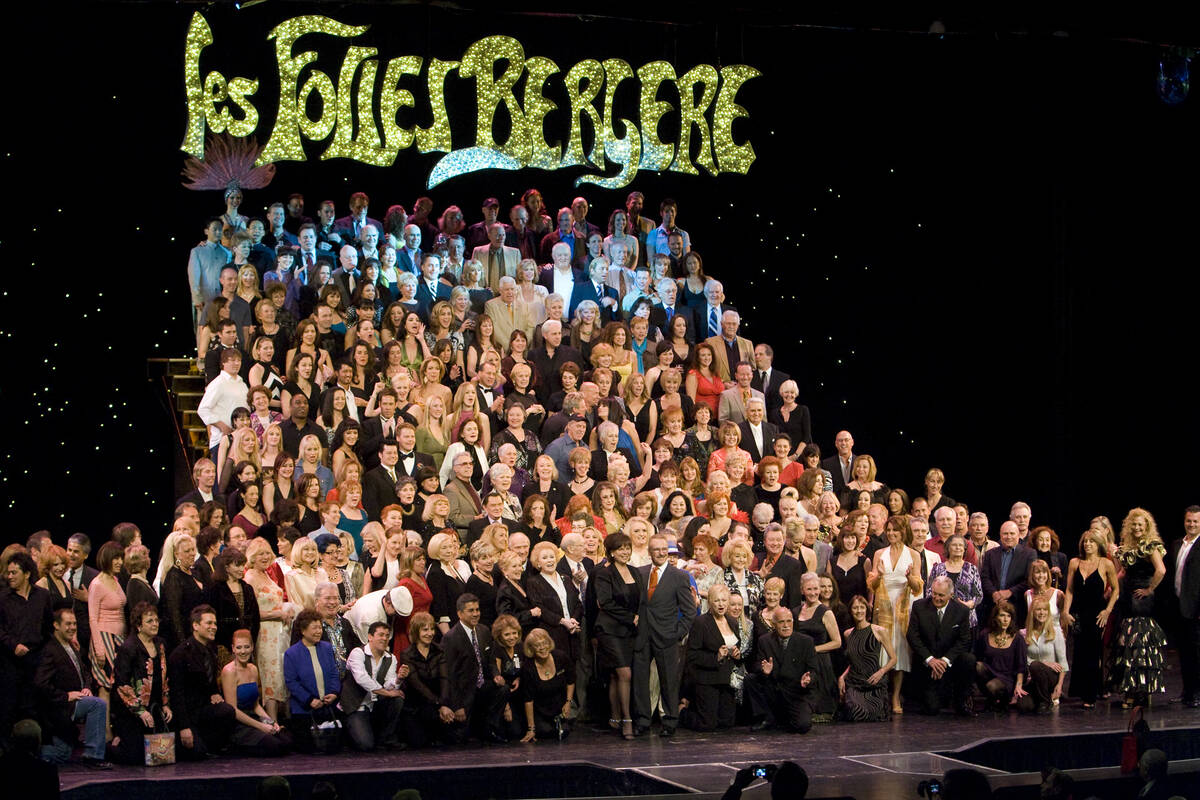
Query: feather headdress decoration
(228, 166)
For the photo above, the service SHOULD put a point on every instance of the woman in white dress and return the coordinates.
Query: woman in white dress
(895, 578)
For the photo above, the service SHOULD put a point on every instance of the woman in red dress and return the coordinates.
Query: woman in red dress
(412, 577)
(703, 384)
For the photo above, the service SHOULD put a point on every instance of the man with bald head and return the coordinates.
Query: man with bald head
(939, 634)
(778, 692)
(945, 520)
(729, 348)
(408, 257)
(839, 465)
(1004, 571)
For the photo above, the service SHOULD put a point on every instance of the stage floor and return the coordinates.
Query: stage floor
(865, 761)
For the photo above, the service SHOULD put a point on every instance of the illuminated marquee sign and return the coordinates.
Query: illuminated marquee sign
(363, 116)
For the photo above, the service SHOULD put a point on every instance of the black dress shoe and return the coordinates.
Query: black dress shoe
(96, 763)
(667, 733)
(496, 738)
(967, 709)
(761, 725)
(641, 730)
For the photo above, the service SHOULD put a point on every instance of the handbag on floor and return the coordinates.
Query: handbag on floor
(327, 734)
(159, 745)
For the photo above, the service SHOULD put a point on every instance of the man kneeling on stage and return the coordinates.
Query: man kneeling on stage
(939, 633)
(371, 695)
(779, 692)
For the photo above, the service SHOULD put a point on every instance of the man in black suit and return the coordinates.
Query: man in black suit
(667, 308)
(1004, 573)
(707, 319)
(202, 719)
(779, 691)
(204, 475)
(758, 436)
(939, 633)
(593, 285)
(1185, 579)
(408, 460)
(351, 227)
(79, 577)
(379, 484)
(667, 612)
(839, 466)
(766, 378)
(493, 514)
(347, 276)
(429, 288)
(385, 426)
(227, 337)
(473, 694)
(65, 698)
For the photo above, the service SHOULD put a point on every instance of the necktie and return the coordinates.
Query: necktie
(493, 269)
(714, 327)
(389, 428)
(762, 379)
(475, 498)
(71, 578)
(670, 313)
(925, 573)
(1005, 562)
(510, 313)
(478, 661)
(391, 474)
(308, 260)
(653, 583)
(941, 614)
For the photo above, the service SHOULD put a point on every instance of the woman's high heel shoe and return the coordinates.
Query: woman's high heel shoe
(627, 730)
(615, 724)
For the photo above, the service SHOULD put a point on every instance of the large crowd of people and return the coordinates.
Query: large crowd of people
(492, 479)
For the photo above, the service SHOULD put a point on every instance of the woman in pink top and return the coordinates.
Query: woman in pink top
(106, 613)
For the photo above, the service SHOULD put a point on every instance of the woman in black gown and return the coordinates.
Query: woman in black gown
(816, 620)
(1085, 609)
(863, 685)
(618, 590)
(1138, 648)
(506, 648)
(547, 686)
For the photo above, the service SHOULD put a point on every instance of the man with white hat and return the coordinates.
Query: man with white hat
(381, 606)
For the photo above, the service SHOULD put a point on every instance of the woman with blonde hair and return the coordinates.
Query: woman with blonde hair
(433, 435)
(730, 437)
(530, 291)
(274, 623)
(447, 578)
(1046, 654)
(585, 328)
(482, 582)
(466, 407)
(301, 582)
(429, 375)
(272, 448)
(737, 557)
(862, 470)
(1139, 643)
